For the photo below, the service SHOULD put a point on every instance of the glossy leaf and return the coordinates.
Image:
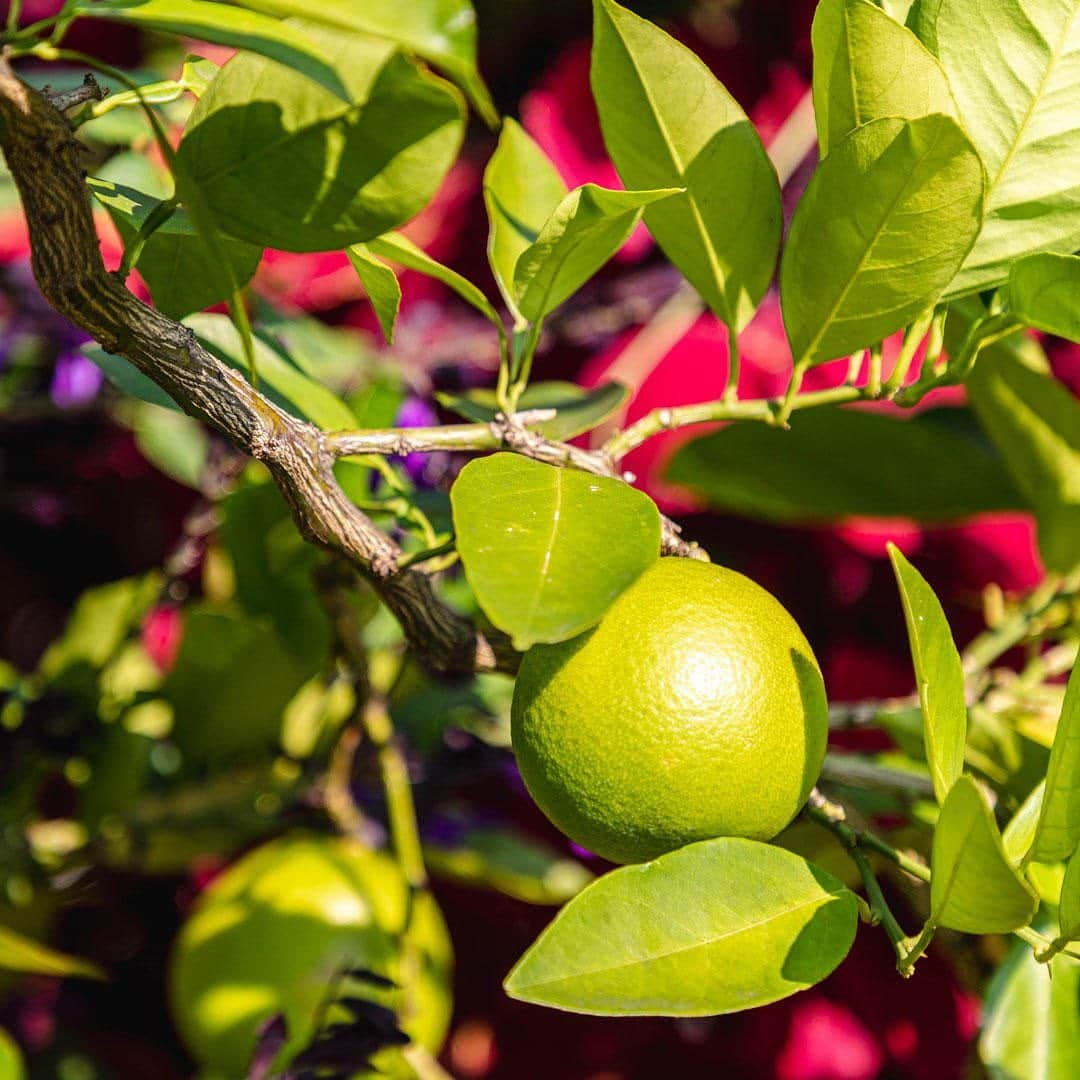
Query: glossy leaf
(1058, 831)
(939, 675)
(547, 550)
(381, 285)
(835, 463)
(881, 230)
(1031, 1023)
(289, 387)
(1035, 423)
(1044, 292)
(1020, 832)
(281, 162)
(442, 31)
(973, 886)
(509, 862)
(226, 25)
(854, 83)
(1069, 904)
(716, 927)
(401, 250)
(1014, 68)
(577, 410)
(583, 232)
(182, 273)
(521, 191)
(20, 953)
(669, 123)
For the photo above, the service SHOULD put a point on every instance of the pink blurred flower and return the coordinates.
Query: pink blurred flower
(826, 1041)
(162, 633)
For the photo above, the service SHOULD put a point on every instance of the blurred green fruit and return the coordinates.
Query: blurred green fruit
(273, 930)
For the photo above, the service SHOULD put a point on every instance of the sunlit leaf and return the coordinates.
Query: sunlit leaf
(669, 123)
(881, 230)
(547, 550)
(20, 953)
(973, 886)
(1058, 832)
(1044, 292)
(939, 675)
(381, 285)
(716, 927)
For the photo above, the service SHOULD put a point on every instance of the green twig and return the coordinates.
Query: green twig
(731, 391)
(155, 219)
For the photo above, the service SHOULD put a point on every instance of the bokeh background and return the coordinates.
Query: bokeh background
(81, 504)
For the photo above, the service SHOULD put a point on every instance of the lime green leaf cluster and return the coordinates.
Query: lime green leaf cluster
(547, 550)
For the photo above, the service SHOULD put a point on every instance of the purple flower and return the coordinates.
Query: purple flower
(76, 380)
(423, 469)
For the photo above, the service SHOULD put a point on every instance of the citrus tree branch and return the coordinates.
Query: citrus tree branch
(43, 157)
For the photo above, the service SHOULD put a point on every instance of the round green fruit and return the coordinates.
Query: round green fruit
(694, 709)
(269, 935)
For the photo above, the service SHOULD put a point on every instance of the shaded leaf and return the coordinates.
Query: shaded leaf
(381, 285)
(881, 230)
(223, 24)
(280, 161)
(547, 550)
(1058, 832)
(834, 463)
(854, 83)
(442, 31)
(291, 388)
(973, 887)
(182, 273)
(715, 927)
(1035, 423)
(510, 862)
(1069, 903)
(20, 953)
(521, 191)
(173, 442)
(939, 675)
(401, 250)
(127, 378)
(577, 410)
(1014, 69)
(1031, 1023)
(669, 123)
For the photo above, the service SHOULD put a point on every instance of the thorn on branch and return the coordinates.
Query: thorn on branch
(91, 90)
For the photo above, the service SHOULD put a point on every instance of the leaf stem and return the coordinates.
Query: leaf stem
(156, 218)
(731, 391)
(873, 378)
(998, 640)
(914, 948)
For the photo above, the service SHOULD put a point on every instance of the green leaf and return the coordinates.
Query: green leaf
(223, 24)
(1058, 832)
(12, 1066)
(938, 674)
(281, 162)
(521, 191)
(511, 863)
(867, 66)
(442, 31)
(176, 444)
(716, 927)
(1031, 1023)
(182, 273)
(577, 410)
(834, 463)
(1014, 68)
(881, 230)
(401, 250)
(547, 550)
(1035, 423)
(973, 887)
(669, 123)
(583, 232)
(1044, 292)
(127, 378)
(19, 953)
(381, 285)
(1069, 904)
(1020, 832)
(291, 388)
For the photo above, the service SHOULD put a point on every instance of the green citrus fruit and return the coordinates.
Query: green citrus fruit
(694, 709)
(270, 933)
